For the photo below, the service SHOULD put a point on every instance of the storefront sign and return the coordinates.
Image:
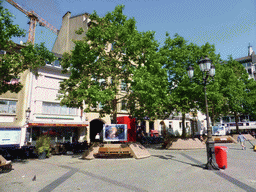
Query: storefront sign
(56, 125)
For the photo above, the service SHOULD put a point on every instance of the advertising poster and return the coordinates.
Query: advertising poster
(115, 132)
(10, 136)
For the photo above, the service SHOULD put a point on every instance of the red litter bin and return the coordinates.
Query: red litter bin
(221, 156)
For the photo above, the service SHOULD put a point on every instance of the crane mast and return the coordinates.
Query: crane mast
(34, 19)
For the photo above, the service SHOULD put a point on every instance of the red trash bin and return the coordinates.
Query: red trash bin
(221, 156)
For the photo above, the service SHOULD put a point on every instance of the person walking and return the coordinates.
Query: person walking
(241, 139)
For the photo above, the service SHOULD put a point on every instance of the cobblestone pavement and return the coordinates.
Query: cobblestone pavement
(165, 170)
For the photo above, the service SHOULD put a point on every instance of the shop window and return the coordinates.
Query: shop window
(7, 106)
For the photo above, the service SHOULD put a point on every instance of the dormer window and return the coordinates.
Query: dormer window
(57, 62)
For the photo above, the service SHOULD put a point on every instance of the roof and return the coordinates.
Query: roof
(80, 15)
(244, 59)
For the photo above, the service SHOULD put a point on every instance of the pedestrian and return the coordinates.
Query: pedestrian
(241, 139)
(253, 134)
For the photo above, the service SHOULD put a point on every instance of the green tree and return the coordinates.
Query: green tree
(17, 58)
(149, 94)
(104, 75)
(216, 100)
(233, 80)
(178, 56)
(250, 100)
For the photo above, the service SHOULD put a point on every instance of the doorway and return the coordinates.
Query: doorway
(96, 126)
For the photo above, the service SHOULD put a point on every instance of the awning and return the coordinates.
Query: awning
(57, 124)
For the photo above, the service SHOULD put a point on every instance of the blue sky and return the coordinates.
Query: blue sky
(228, 24)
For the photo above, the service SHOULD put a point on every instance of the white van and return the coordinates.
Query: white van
(218, 130)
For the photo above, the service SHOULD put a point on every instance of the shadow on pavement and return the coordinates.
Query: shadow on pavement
(170, 157)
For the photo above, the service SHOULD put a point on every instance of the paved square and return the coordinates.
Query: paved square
(165, 170)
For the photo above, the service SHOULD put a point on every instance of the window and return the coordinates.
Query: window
(7, 106)
(123, 85)
(102, 83)
(48, 62)
(124, 51)
(56, 109)
(57, 62)
(101, 106)
(225, 119)
(124, 105)
(113, 45)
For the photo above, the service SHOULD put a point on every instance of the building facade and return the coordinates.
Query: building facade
(47, 116)
(13, 116)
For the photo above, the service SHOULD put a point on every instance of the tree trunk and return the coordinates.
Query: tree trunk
(115, 111)
(236, 119)
(183, 125)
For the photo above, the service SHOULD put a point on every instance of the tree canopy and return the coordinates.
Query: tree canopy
(109, 65)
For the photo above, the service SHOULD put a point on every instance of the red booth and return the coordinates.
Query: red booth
(131, 127)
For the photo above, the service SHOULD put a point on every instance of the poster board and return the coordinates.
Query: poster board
(115, 132)
(10, 136)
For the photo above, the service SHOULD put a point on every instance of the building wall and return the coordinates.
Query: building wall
(17, 119)
(45, 105)
(67, 33)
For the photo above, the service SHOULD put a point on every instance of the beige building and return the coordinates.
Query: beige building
(13, 108)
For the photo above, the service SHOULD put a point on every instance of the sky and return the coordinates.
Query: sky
(228, 24)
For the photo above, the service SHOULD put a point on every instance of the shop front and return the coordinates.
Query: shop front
(59, 133)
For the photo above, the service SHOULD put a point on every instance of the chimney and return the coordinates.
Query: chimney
(250, 51)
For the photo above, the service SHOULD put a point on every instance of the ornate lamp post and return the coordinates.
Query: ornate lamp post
(208, 70)
(28, 111)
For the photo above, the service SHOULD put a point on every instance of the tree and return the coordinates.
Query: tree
(250, 101)
(105, 65)
(15, 59)
(149, 94)
(178, 56)
(233, 80)
(216, 101)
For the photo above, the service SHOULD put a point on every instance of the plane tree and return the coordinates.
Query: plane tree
(178, 55)
(107, 66)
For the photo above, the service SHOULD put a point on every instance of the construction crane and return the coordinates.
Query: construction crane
(34, 18)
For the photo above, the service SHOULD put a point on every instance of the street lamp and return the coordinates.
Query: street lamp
(205, 65)
(28, 111)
